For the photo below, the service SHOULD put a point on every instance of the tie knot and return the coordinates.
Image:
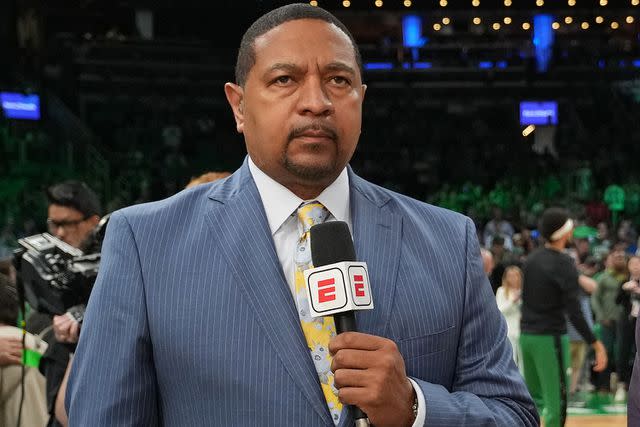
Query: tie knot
(311, 213)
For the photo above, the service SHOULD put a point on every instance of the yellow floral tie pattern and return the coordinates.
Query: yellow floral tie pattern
(317, 330)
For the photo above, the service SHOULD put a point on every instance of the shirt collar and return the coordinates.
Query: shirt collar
(279, 202)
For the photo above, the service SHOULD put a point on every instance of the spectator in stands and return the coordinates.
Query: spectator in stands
(207, 177)
(34, 407)
(602, 243)
(628, 235)
(487, 261)
(607, 311)
(502, 258)
(583, 248)
(508, 298)
(577, 345)
(596, 212)
(498, 226)
(519, 250)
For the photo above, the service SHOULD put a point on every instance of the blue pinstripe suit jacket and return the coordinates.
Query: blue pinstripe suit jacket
(191, 321)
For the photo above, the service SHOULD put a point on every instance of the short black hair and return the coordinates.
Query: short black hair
(552, 220)
(8, 302)
(77, 195)
(291, 12)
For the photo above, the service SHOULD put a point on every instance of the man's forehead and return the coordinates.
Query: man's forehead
(304, 33)
(63, 211)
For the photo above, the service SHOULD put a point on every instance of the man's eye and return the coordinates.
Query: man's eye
(340, 80)
(282, 79)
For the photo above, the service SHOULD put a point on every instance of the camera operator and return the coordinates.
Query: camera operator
(73, 212)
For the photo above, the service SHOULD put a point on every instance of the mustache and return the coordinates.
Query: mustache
(299, 131)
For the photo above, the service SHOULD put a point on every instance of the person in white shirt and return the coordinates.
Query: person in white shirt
(508, 298)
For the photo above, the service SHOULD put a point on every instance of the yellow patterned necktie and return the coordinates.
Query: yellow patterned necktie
(317, 330)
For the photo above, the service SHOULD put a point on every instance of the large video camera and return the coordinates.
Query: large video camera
(54, 275)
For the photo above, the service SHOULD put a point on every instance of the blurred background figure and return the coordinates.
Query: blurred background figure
(12, 378)
(206, 177)
(498, 226)
(509, 300)
(629, 300)
(607, 313)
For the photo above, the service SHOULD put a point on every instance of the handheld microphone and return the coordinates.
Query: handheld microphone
(338, 284)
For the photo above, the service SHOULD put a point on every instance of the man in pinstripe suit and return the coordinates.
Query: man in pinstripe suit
(192, 319)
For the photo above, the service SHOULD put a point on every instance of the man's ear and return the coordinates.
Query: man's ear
(235, 98)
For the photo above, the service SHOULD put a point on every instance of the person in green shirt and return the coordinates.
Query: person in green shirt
(607, 311)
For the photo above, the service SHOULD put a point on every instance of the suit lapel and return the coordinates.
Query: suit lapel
(377, 237)
(242, 231)
(377, 234)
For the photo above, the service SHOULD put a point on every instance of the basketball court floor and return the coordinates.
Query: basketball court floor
(592, 410)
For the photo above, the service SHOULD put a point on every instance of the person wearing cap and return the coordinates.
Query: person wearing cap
(551, 292)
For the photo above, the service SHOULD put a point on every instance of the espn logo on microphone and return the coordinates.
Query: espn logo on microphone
(339, 287)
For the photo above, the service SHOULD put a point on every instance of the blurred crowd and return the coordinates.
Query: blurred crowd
(608, 262)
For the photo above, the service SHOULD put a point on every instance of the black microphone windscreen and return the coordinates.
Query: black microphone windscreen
(330, 243)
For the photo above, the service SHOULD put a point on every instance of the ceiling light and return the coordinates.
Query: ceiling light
(555, 25)
(526, 26)
(599, 19)
(437, 26)
(584, 25)
(614, 25)
(496, 26)
(630, 19)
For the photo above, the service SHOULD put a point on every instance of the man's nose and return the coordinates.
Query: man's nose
(314, 98)
(59, 232)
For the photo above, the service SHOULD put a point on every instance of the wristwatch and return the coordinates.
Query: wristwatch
(414, 407)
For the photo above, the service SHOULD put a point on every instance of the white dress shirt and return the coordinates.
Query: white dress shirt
(280, 206)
